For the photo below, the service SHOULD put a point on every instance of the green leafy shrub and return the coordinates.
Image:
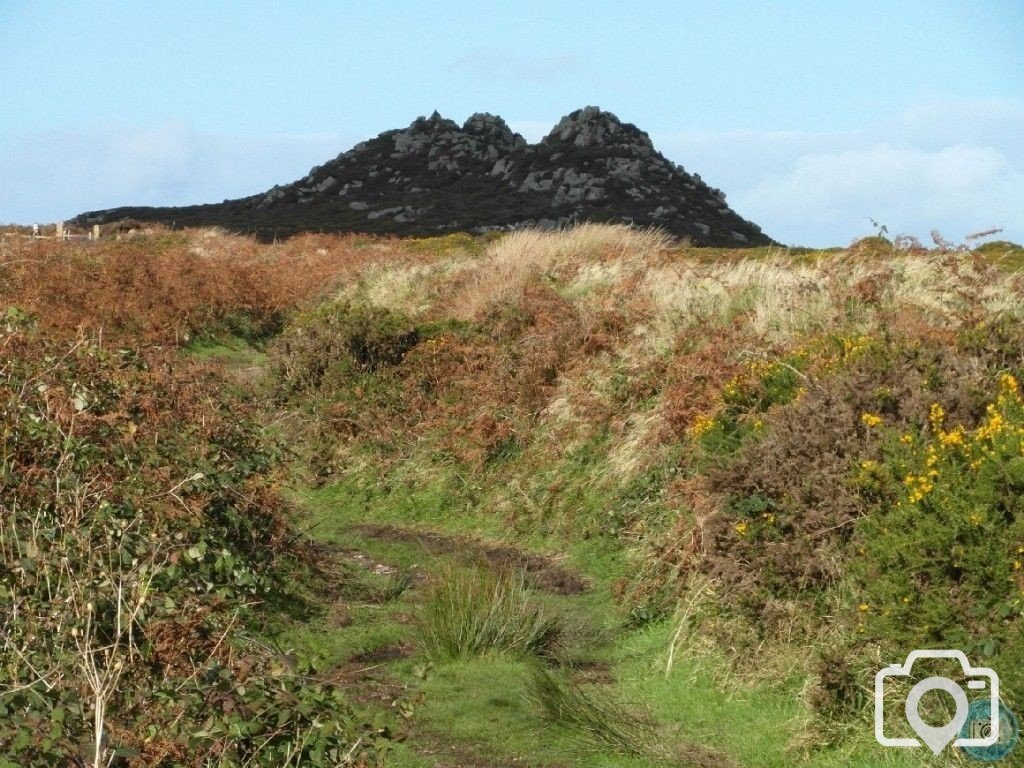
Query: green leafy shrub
(338, 341)
(140, 528)
(484, 610)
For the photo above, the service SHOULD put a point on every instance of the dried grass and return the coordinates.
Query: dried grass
(517, 258)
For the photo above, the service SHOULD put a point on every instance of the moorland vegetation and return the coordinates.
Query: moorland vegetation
(576, 497)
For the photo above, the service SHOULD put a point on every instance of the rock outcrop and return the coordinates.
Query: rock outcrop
(436, 176)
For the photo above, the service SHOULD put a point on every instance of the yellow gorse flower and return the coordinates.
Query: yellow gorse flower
(701, 426)
(854, 344)
(951, 439)
(920, 486)
(1008, 386)
(870, 420)
(993, 425)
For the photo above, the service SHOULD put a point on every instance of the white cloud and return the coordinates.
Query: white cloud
(955, 167)
(60, 174)
(826, 198)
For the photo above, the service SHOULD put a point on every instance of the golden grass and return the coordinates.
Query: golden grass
(521, 256)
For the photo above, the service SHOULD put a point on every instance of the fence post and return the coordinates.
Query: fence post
(95, 231)
(59, 230)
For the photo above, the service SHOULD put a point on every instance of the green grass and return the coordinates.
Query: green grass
(482, 610)
(484, 707)
(480, 707)
(759, 719)
(477, 706)
(229, 351)
(244, 363)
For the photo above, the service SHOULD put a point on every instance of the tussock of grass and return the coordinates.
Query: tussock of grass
(395, 586)
(596, 719)
(478, 611)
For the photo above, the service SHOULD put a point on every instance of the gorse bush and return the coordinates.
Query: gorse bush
(140, 528)
(484, 610)
(940, 557)
(865, 496)
(787, 509)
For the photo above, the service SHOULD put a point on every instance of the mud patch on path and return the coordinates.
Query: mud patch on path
(364, 561)
(386, 653)
(445, 754)
(543, 571)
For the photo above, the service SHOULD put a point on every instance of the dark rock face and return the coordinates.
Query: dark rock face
(435, 177)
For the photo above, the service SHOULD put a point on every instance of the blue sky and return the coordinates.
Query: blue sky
(811, 116)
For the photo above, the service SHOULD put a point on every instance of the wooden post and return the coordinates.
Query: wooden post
(60, 230)
(95, 231)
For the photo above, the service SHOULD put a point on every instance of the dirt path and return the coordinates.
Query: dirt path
(543, 571)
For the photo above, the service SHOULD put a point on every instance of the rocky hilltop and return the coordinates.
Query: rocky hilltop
(435, 177)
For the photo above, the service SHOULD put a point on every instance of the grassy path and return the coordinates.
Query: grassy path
(477, 711)
(387, 542)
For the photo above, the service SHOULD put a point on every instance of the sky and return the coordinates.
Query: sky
(813, 117)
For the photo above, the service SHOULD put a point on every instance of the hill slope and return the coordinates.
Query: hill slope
(435, 176)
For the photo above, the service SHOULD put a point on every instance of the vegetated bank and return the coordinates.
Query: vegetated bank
(144, 536)
(763, 451)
